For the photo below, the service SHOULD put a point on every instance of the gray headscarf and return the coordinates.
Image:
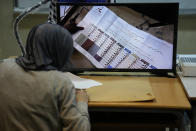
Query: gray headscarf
(48, 47)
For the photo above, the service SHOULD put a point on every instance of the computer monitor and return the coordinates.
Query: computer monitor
(122, 36)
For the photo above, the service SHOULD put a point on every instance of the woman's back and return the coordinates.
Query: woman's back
(31, 100)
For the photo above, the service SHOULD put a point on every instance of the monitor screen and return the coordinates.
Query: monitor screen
(122, 37)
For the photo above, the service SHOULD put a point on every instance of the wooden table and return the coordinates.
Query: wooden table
(169, 98)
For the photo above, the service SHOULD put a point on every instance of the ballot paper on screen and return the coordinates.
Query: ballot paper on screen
(108, 41)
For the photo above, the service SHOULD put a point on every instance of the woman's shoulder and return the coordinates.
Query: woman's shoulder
(61, 77)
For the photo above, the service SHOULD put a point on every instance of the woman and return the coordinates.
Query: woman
(34, 93)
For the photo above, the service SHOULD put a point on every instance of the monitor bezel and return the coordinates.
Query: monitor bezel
(174, 5)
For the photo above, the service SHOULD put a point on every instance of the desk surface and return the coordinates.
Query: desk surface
(168, 92)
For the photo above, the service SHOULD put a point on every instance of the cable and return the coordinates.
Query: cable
(20, 17)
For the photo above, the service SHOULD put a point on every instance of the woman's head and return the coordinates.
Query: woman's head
(48, 47)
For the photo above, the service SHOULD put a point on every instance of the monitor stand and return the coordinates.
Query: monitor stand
(165, 74)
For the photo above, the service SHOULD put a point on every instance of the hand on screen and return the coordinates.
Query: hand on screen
(81, 96)
(73, 28)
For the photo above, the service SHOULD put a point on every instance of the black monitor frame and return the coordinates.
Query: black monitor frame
(170, 10)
